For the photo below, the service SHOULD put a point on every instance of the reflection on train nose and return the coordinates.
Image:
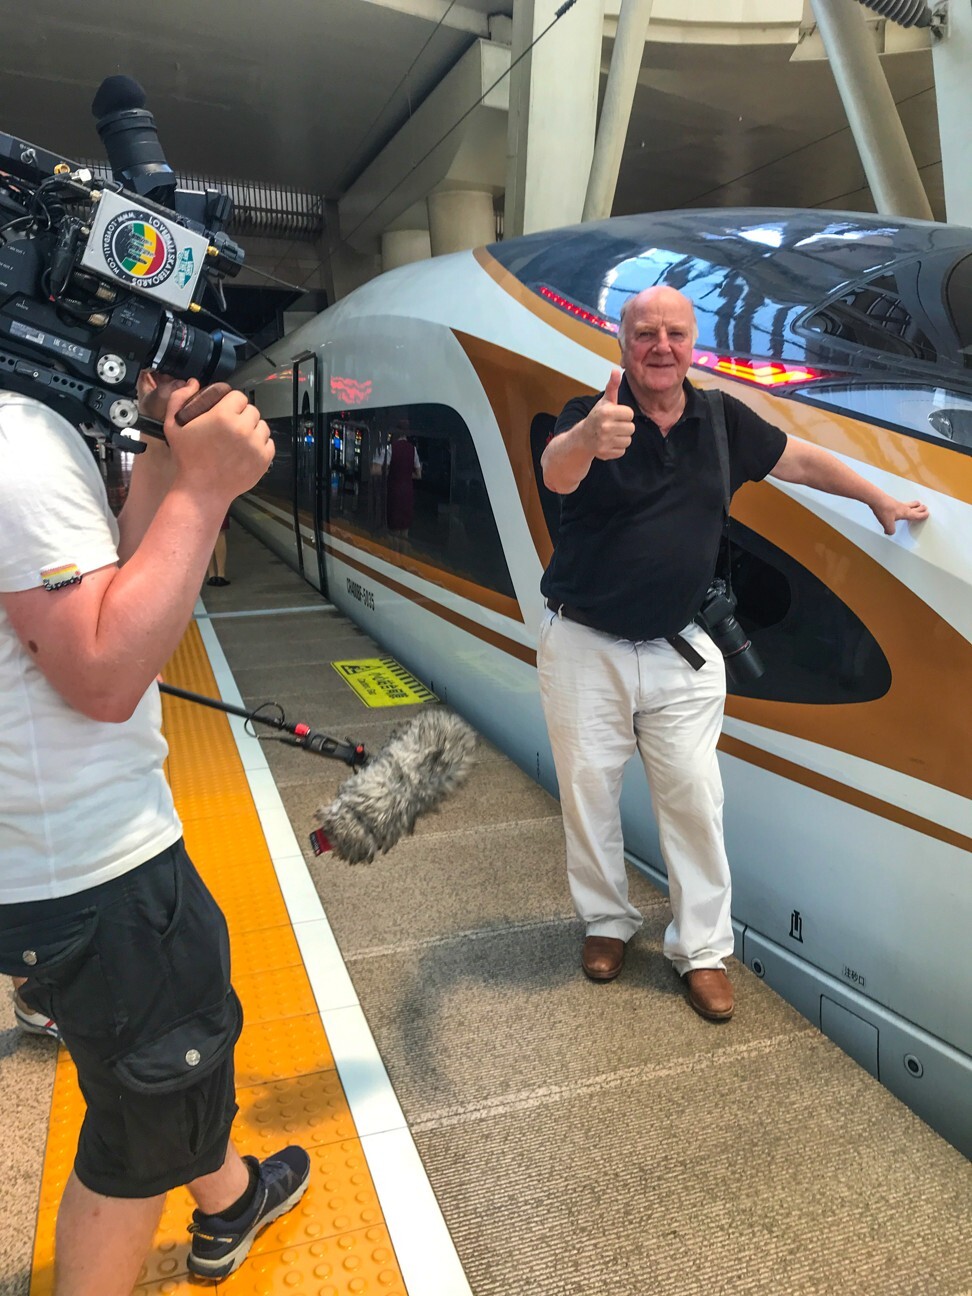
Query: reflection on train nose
(954, 424)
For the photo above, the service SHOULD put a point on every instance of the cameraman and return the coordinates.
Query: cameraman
(101, 910)
(641, 521)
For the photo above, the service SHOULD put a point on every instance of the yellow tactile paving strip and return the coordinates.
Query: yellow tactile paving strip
(334, 1243)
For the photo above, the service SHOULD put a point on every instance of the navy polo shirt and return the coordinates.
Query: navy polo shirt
(639, 537)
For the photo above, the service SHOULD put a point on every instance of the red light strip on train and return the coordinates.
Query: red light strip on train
(765, 373)
(588, 317)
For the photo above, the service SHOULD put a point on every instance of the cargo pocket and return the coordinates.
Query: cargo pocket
(186, 1053)
(65, 977)
(40, 950)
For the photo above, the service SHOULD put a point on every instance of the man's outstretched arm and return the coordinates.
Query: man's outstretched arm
(805, 464)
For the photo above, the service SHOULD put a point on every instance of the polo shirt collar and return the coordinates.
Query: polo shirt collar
(694, 408)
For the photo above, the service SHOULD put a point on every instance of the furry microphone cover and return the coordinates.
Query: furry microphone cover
(421, 763)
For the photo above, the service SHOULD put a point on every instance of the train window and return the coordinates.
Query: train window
(874, 316)
(921, 312)
(409, 476)
(933, 413)
(814, 648)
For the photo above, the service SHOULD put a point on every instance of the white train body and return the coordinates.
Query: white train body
(849, 775)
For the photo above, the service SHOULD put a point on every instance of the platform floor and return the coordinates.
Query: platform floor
(541, 1135)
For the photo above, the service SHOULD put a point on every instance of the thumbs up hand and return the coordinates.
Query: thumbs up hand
(611, 425)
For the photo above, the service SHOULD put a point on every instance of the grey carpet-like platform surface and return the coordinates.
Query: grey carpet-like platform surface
(582, 1139)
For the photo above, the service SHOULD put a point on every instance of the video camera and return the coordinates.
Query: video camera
(95, 274)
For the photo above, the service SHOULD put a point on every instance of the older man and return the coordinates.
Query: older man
(641, 520)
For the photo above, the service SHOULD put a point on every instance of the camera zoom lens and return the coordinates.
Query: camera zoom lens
(188, 352)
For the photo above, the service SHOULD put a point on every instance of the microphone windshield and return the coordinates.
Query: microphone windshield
(115, 94)
(422, 762)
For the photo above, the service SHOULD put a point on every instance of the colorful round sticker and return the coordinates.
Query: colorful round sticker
(139, 247)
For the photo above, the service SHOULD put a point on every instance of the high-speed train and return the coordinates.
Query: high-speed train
(848, 765)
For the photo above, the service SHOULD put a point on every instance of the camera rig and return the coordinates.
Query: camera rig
(96, 274)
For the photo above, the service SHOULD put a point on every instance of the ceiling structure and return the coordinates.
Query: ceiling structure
(286, 93)
(305, 94)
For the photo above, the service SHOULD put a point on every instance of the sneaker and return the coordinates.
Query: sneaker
(219, 1246)
(34, 1023)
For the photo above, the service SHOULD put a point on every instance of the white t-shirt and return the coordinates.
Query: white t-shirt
(81, 801)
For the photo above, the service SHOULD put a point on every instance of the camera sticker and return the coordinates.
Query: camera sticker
(139, 248)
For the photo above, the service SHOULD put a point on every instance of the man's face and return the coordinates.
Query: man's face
(656, 350)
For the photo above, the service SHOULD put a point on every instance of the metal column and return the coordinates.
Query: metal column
(952, 60)
(629, 46)
(871, 111)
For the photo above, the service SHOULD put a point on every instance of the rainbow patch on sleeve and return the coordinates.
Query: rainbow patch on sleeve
(57, 577)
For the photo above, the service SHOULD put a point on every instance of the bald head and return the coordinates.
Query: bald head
(663, 295)
(656, 334)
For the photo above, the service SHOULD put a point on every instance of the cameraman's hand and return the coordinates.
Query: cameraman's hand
(610, 425)
(222, 452)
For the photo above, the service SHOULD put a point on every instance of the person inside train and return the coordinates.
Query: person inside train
(105, 925)
(622, 663)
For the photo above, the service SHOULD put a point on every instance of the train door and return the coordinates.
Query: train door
(310, 485)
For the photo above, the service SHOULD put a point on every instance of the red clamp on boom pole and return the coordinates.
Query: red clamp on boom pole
(301, 735)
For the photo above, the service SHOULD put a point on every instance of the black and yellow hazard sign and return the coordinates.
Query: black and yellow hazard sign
(381, 682)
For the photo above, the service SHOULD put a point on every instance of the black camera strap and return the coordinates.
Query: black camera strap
(717, 413)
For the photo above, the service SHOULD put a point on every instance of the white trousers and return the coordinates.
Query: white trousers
(602, 698)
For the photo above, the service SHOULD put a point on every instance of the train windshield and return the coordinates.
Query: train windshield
(863, 295)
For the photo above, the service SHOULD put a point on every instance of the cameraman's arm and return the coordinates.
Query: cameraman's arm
(153, 472)
(806, 464)
(102, 642)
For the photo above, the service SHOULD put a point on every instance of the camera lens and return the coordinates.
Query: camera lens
(187, 352)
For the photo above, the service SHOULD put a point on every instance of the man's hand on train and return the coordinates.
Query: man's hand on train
(611, 426)
(890, 511)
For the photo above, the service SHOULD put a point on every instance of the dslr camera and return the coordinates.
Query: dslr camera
(717, 617)
(96, 275)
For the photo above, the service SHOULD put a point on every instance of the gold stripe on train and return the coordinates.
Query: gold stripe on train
(840, 791)
(427, 604)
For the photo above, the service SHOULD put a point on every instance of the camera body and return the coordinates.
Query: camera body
(95, 275)
(717, 617)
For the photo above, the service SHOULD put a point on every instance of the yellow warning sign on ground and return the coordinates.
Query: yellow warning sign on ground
(381, 682)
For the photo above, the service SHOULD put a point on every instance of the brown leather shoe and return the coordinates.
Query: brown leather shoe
(710, 993)
(602, 957)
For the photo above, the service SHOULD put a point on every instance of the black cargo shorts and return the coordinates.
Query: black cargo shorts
(136, 973)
